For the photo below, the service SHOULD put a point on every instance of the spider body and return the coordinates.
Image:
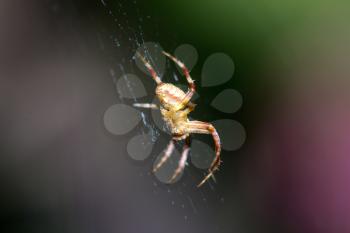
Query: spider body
(175, 105)
(174, 112)
(169, 95)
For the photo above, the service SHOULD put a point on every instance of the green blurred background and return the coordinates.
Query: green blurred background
(263, 37)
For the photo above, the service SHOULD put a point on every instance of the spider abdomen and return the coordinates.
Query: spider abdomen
(169, 95)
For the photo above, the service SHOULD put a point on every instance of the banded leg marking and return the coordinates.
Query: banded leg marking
(149, 68)
(192, 86)
(182, 161)
(207, 128)
(170, 148)
(145, 105)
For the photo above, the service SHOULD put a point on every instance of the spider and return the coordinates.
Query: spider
(175, 105)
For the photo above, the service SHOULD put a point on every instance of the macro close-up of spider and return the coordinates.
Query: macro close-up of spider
(175, 105)
(117, 115)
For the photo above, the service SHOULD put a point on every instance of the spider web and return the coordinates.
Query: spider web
(151, 137)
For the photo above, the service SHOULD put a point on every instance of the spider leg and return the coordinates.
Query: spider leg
(192, 86)
(149, 68)
(167, 153)
(207, 128)
(145, 105)
(182, 161)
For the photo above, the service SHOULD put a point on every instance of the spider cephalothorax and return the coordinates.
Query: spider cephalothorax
(175, 105)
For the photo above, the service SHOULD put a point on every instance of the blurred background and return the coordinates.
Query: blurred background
(62, 171)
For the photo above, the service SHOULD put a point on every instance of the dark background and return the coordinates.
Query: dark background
(60, 171)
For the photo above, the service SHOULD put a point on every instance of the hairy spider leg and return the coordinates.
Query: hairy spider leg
(168, 151)
(207, 128)
(145, 105)
(149, 68)
(192, 86)
(183, 159)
